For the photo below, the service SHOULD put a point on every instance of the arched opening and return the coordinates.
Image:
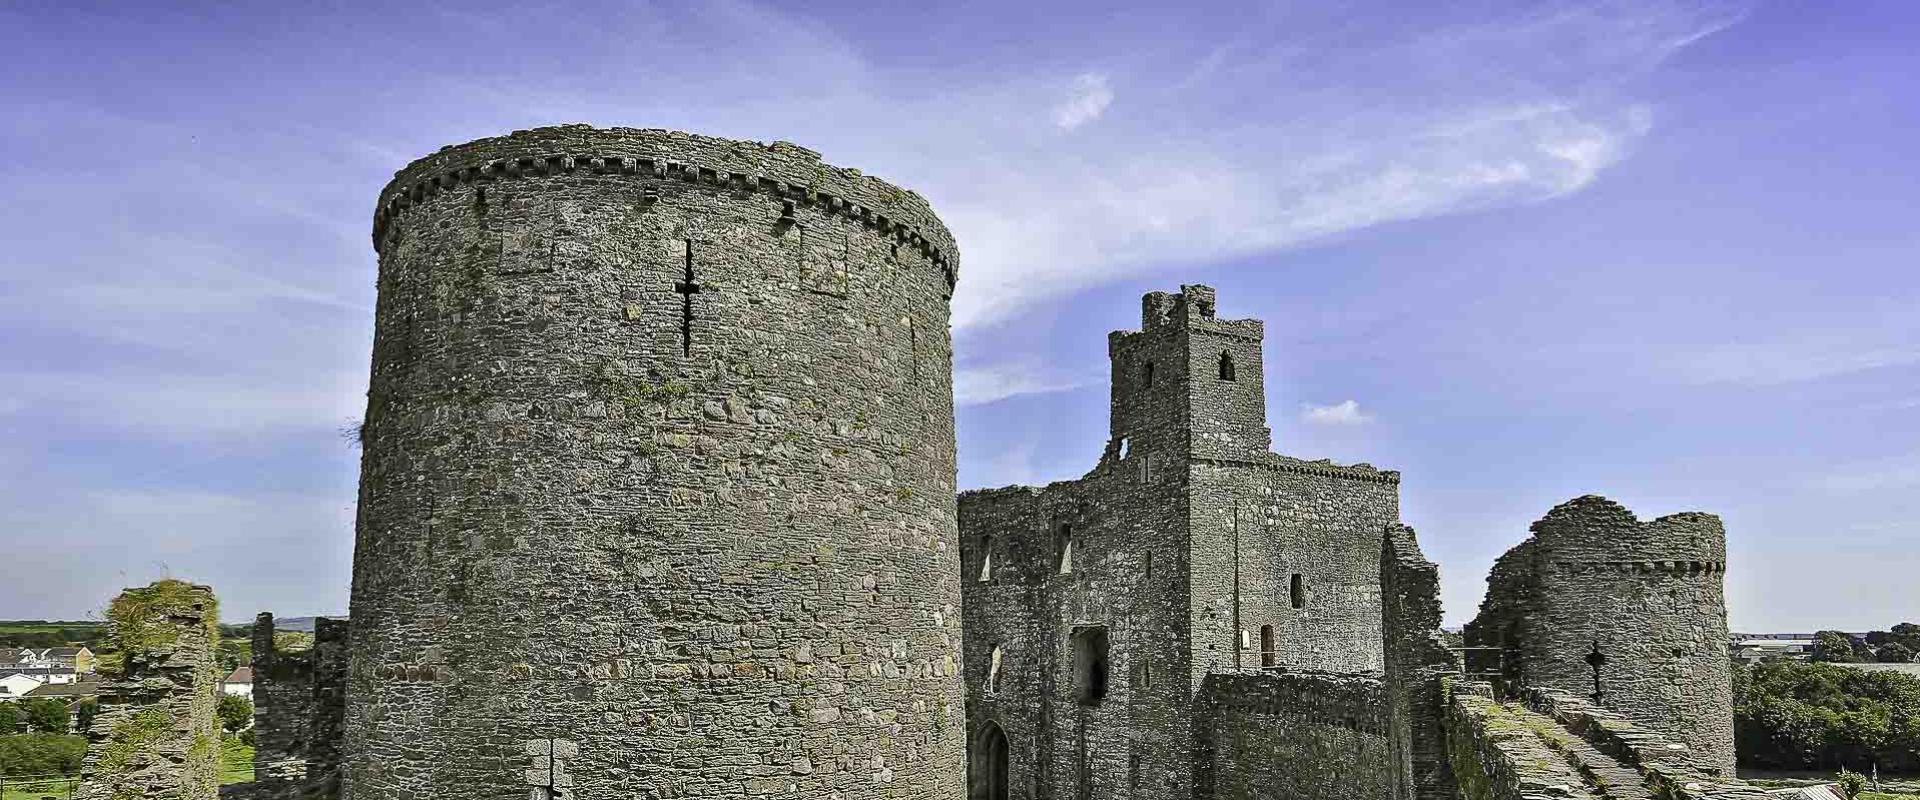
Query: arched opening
(1226, 367)
(987, 769)
(1267, 654)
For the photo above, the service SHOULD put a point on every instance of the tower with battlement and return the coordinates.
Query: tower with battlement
(657, 488)
(1629, 614)
(1106, 615)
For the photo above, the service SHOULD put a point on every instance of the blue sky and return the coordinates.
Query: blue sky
(1519, 251)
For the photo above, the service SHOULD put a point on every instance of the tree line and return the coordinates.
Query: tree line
(1819, 716)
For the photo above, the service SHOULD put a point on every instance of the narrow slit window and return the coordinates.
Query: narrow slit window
(1146, 566)
(986, 559)
(1226, 367)
(1063, 549)
(1146, 376)
(1125, 445)
(1267, 654)
(993, 670)
(1297, 590)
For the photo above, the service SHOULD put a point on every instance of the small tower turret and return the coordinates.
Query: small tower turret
(1188, 383)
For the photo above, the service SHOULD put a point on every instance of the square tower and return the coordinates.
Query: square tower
(1188, 384)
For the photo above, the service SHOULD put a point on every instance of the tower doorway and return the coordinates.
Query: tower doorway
(987, 772)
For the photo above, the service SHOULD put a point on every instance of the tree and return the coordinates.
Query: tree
(10, 718)
(1851, 783)
(84, 711)
(1834, 647)
(1894, 653)
(236, 713)
(46, 714)
(41, 754)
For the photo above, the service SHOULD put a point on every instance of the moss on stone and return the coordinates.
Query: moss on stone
(138, 616)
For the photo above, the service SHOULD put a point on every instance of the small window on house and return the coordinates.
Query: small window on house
(1090, 664)
(1267, 654)
(1063, 548)
(986, 559)
(1146, 376)
(993, 671)
(1297, 588)
(1226, 367)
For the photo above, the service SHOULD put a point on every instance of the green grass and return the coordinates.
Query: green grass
(1885, 796)
(61, 788)
(236, 762)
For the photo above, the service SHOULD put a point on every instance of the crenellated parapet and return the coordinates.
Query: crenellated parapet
(653, 160)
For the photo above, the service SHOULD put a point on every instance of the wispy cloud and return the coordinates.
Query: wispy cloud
(1873, 476)
(986, 384)
(1089, 99)
(1346, 412)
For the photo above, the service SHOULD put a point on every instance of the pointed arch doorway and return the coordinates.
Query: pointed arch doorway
(987, 768)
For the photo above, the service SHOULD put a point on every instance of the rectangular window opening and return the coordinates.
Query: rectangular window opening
(1090, 664)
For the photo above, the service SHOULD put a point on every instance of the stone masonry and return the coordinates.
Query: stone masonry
(156, 734)
(299, 706)
(657, 484)
(1099, 611)
(1630, 614)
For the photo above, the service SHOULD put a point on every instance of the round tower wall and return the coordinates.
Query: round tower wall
(1649, 597)
(657, 492)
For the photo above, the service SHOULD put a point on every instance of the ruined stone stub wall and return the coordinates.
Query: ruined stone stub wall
(282, 706)
(327, 728)
(1256, 525)
(1649, 595)
(1418, 663)
(157, 734)
(657, 487)
(1295, 736)
(1126, 575)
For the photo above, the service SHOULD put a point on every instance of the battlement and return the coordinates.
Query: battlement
(782, 171)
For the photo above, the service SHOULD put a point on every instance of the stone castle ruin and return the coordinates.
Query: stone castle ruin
(657, 501)
(157, 734)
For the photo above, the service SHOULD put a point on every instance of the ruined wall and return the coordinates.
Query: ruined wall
(1418, 664)
(326, 731)
(1646, 596)
(1295, 736)
(157, 734)
(1124, 577)
(282, 706)
(1186, 532)
(1257, 525)
(1547, 743)
(657, 483)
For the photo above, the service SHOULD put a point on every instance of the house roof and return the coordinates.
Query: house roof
(75, 689)
(239, 675)
(65, 651)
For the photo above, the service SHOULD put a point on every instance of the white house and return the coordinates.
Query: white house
(15, 685)
(238, 683)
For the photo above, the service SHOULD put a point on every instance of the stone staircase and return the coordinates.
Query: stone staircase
(1551, 745)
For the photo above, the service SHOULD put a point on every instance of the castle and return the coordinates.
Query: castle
(657, 501)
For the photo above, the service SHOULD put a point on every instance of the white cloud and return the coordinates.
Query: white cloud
(987, 384)
(1343, 413)
(1090, 98)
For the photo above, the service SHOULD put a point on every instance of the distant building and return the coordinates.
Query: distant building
(238, 683)
(81, 688)
(15, 685)
(72, 659)
(43, 674)
(1756, 650)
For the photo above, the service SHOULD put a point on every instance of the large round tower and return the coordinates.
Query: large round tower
(657, 494)
(1599, 603)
